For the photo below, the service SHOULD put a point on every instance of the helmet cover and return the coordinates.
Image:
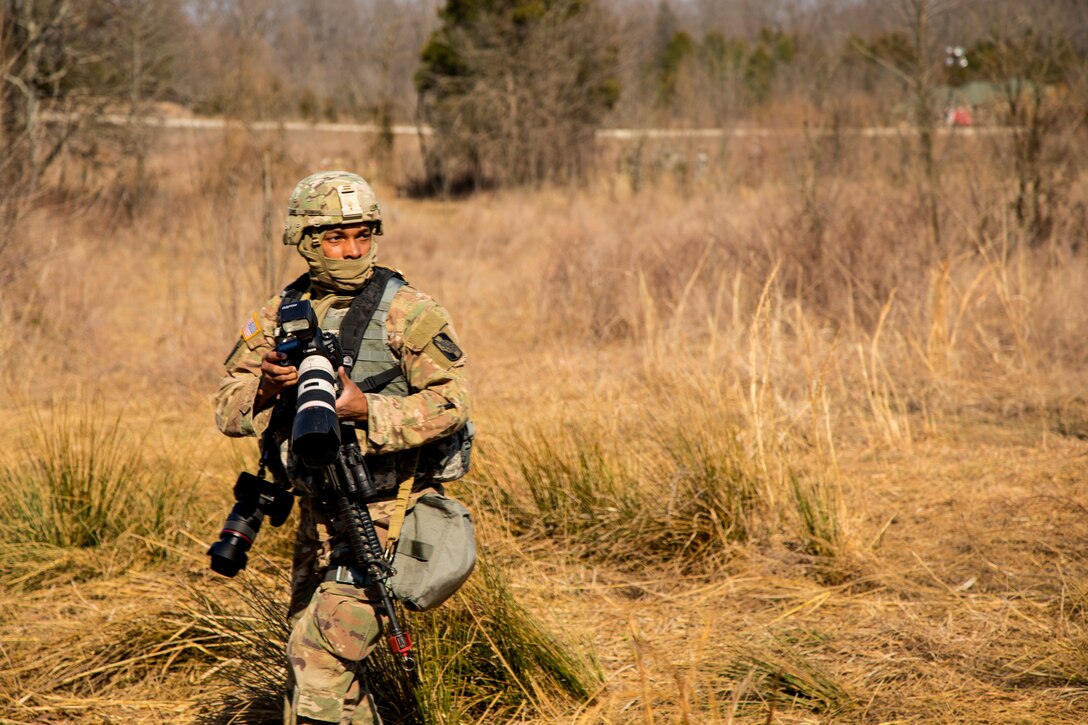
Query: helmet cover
(330, 198)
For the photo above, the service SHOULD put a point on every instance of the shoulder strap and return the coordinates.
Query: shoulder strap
(294, 291)
(360, 312)
(379, 381)
(396, 520)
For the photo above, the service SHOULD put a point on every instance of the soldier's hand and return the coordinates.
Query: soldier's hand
(275, 376)
(351, 405)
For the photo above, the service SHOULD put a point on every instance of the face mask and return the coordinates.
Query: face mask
(336, 276)
(348, 275)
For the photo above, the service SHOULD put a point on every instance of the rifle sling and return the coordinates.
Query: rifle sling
(396, 520)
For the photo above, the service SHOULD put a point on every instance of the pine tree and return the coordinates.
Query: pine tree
(514, 89)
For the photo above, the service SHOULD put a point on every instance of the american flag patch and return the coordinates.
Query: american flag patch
(251, 328)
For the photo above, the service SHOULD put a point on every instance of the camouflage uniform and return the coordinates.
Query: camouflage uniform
(335, 625)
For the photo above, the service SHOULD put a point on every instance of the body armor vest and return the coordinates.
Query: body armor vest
(372, 359)
(373, 356)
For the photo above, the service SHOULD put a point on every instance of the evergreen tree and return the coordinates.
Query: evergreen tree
(514, 89)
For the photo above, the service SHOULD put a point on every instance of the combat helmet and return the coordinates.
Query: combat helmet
(327, 198)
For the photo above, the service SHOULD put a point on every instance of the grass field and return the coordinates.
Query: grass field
(752, 447)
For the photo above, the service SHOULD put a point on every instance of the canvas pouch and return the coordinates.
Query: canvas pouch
(435, 554)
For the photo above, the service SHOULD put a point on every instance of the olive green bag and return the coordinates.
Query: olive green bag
(435, 552)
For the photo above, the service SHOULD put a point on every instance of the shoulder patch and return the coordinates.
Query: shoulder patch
(448, 347)
(424, 327)
(251, 329)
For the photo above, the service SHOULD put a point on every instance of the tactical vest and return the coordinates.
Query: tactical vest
(372, 358)
(373, 366)
(375, 369)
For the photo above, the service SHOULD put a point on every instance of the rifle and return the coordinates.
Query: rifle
(351, 484)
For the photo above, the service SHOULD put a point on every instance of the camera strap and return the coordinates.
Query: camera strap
(268, 447)
(379, 381)
(294, 291)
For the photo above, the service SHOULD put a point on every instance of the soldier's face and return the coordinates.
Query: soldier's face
(351, 241)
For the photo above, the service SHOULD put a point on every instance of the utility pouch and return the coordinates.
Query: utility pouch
(435, 554)
(447, 459)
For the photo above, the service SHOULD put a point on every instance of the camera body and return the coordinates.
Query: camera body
(255, 499)
(298, 335)
(315, 433)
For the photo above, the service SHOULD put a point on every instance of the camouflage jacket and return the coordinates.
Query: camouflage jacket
(418, 332)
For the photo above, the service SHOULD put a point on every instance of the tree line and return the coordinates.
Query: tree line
(515, 88)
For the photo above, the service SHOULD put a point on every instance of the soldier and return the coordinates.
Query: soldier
(407, 388)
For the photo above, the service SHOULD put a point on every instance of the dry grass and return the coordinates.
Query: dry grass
(745, 440)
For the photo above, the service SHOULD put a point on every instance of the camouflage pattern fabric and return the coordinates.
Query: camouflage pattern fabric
(316, 542)
(416, 327)
(334, 626)
(330, 197)
(324, 676)
(329, 641)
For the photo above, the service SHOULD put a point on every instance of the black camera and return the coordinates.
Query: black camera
(315, 434)
(255, 498)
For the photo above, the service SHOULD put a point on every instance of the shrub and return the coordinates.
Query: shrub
(82, 484)
(481, 654)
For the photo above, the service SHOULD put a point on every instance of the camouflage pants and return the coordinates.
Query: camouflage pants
(325, 653)
(334, 626)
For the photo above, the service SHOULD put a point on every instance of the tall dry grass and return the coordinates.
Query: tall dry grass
(81, 484)
(706, 406)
